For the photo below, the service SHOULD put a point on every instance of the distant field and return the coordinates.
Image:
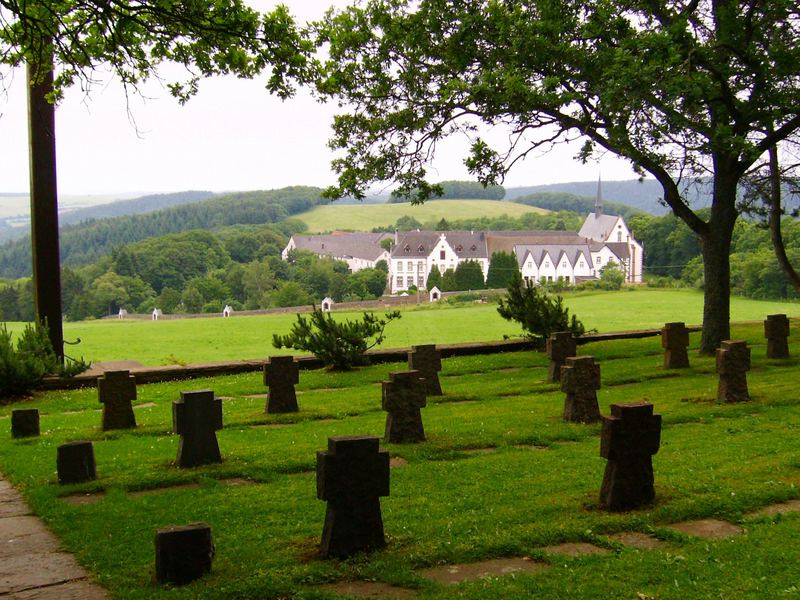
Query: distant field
(217, 339)
(16, 205)
(363, 217)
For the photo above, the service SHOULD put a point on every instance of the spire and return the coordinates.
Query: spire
(598, 202)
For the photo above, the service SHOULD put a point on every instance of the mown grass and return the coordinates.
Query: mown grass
(218, 339)
(447, 504)
(358, 217)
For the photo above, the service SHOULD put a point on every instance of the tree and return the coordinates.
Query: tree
(502, 267)
(434, 279)
(537, 312)
(132, 37)
(340, 345)
(469, 276)
(683, 89)
(611, 276)
(449, 281)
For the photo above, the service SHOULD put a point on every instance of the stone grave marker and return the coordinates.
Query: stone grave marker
(25, 422)
(733, 362)
(776, 330)
(183, 553)
(352, 475)
(560, 346)
(428, 361)
(629, 439)
(75, 463)
(675, 341)
(580, 379)
(403, 397)
(116, 390)
(281, 373)
(196, 417)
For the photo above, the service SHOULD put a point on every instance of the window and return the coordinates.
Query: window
(547, 264)
(409, 281)
(410, 266)
(529, 265)
(407, 248)
(420, 267)
(420, 282)
(459, 248)
(399, 266)
(421, 248)
(399, 282)
(580, 264)
(619, 236)
(563, 264)
(597, 261)
(473, 247)
(441, 255)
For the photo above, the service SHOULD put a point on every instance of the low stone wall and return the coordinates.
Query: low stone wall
(179, 372)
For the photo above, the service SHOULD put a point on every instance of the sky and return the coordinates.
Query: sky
(232, 136)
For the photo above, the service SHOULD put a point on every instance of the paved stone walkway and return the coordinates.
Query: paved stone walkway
(31, 562)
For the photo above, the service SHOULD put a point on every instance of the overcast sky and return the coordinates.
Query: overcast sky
(232, 136)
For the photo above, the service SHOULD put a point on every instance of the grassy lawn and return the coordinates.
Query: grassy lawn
(218, 339)
(448, 504)
(359, 217)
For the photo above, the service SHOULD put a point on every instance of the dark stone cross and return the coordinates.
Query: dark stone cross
(403, 397)
(75, 463)
(733, 362)
(25, 422)
(281, 373)
(352, 476)
(629, 439)
(428, 361)
(560, 346)
(183, 553)
(675, 340)
(116, 390)
(196, 417)
(776, 330)
(580, 379)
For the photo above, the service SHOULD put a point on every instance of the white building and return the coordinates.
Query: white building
(358, 250)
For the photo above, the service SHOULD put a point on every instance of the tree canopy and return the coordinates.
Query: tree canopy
(680, 88)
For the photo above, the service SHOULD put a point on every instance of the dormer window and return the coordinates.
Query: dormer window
(473, 247)
(421, 248)
(407, 248)
(459, 248)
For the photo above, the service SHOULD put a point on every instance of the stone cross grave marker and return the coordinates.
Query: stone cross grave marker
(428, 361)
(75, 463)
(183, 553)
(281, 373)
(733, 362)
(403, 397)
(580, 379)
(629, 439)
(352, 476)
(196, 417)
(25, 422)
(116, 390)
(776, 330)
(560, 345)
(675, 341)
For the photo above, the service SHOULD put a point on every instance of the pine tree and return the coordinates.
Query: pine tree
(501, 270)
(469, 276)
(434, 279)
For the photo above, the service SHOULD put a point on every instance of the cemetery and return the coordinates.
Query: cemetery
(372, 486)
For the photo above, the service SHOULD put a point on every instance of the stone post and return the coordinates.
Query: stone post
(675, 341)
(281, 373)
(629, 439)
(776, 330)
(75, 463)
(25, 422)
(428, 361)
(580, 379)
(403, 397)
(183, 553)
(733, 362)
(116, 390)
(560, 346)
(196, 417)
(351, 477)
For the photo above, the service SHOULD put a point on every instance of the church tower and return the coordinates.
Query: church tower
(598, 201)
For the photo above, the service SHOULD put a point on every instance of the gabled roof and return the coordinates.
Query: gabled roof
(572, 252)
(505, 241)
(419, 244)
(598, 227)
(342, 244)
(620, 249)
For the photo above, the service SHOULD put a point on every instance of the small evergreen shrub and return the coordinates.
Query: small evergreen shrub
(539, 313)
(340, 345)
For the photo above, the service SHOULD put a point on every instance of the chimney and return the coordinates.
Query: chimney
(598, 202)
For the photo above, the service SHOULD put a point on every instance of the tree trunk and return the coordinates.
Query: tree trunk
(44, 202)
(716, 243)
(775, 214)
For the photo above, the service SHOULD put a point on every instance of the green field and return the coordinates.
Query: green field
(358, 217)
(218, 339)
(500, 475)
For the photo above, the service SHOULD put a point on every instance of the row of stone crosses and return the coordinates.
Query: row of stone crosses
(353, 474)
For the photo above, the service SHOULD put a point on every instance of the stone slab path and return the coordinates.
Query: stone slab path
(31, 562)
